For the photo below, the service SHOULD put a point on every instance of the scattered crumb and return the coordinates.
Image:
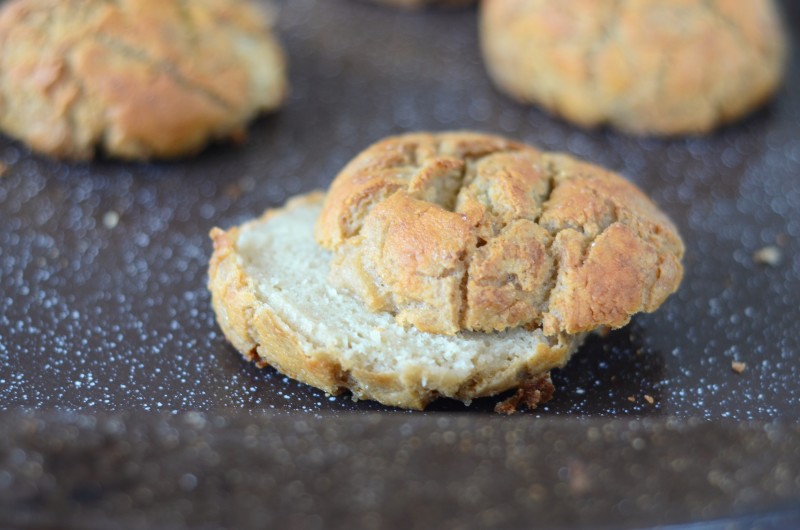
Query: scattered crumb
(649, 399)
(738, 366)
(602, 331)
(239, 136)
(632, 399)
(638, 351)
(531, 393)
(3, 169)
(769, 255)
(110, 219)
(781, 240)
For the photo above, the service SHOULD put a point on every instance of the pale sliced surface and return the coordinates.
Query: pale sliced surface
(268, 280)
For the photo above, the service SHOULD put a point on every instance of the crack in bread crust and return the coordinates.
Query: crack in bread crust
(162, 66)
(465, 231)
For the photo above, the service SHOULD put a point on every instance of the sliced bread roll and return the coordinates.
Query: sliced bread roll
(268, 280)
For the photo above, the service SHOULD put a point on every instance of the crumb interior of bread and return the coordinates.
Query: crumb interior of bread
(290, 273)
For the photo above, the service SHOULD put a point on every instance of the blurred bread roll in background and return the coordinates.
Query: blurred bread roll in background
(136, 79)
(660, 67)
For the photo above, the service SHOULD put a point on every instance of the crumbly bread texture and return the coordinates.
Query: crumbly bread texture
(465, 231)
(417, 4)
(646, 66)
(137, 78)
(275, 305)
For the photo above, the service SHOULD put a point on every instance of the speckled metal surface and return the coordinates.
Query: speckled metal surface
(460, 471)
(103, 305)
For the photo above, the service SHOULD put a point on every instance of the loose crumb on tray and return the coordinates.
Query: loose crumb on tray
(602, 331)
(769, 255)
(649, 399)
(738, 366)
(530, 393)
(110, 219)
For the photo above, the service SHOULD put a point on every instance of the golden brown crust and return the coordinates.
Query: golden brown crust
(647, 67)
(139, 78)
(259, 334)
(465, 231)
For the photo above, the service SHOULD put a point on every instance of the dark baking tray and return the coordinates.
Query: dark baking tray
(112, 321)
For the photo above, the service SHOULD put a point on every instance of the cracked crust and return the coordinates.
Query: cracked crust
(646, 66)
(465, 231)
(137, 78)
(250, 322)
